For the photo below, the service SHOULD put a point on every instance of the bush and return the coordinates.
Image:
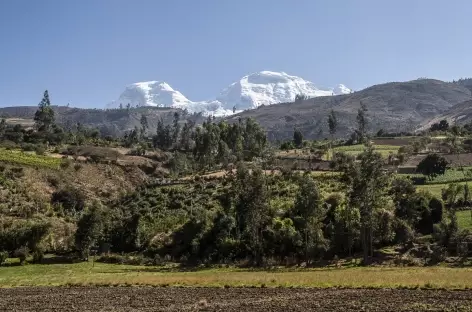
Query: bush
(71, 199)
(40, 150)
(65, 163)
(17, 172)
(22, 253)
(3, 257)
(53, 181)
(28, 147)
(403, 232)
(38, 256)
(418, 180)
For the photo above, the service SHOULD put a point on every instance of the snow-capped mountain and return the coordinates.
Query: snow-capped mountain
(251, 91)
(150, 93)
(266, 87)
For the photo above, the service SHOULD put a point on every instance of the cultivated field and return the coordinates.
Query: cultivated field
(18, 157)
(357, 149)
(232, 299)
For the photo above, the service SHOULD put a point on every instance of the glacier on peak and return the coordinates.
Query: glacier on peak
(251, 91)
(150, 93)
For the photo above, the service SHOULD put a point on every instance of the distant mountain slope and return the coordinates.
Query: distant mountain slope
(394, 106)
(460, 113)
(109, 122)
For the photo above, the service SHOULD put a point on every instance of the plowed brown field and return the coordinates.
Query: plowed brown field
(231, 299)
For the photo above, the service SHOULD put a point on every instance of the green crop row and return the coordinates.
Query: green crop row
(28, 159)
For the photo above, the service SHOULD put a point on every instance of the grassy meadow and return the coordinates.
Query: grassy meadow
(101, 274)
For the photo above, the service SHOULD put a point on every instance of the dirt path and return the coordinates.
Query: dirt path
(230, 300)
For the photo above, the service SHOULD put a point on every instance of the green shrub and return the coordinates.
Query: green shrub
(3, 257)
(38, 256)
(53, 181)
(65, 163)
(71, 199)
(22, 253)
(29, 147)
(40, 150)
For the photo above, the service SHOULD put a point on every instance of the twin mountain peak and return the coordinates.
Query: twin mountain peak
(251, 91)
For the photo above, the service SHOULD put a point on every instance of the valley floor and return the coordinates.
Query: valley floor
(232, 299)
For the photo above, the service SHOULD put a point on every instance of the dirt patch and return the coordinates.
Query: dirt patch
(232, 299)
(393, 141)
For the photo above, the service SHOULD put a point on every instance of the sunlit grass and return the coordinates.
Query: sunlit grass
(110, 274)
(355, 150)
(29, 159)
(464, 219)
(436, 189)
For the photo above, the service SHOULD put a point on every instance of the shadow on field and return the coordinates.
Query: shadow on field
(61, 259)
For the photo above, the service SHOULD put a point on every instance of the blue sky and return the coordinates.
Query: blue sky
(84, 52)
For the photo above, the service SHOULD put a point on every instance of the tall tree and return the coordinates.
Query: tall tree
(432, 165)
(297, 138)
(309, 214)
(176, 128)
(3, 126)
(90, 228)
(252, 209)
(367, 182)
(44, 116)
(163, 137)
(362, 123)
(332, 123)
(144, 122)
(144, 125)
(185, 136)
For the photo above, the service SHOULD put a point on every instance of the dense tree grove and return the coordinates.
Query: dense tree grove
(236, 219)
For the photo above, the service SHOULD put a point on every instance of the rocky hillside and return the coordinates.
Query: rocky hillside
(460, 113)
(395, 106)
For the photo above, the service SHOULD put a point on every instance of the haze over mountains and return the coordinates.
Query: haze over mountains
(249, 92)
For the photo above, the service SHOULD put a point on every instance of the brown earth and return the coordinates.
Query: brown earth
(393, 141)
(231, 299)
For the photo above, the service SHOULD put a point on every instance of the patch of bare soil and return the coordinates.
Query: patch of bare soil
(231, 299)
